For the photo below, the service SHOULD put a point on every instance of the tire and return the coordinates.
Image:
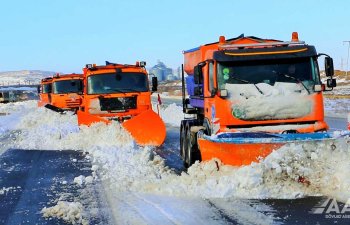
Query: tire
(182, 140)
(183, 143)
(192, 152)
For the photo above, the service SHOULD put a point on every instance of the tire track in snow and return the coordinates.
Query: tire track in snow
(160, 209)
(241, 212)
(128, 214)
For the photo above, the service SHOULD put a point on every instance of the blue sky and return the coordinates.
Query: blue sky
(64, 35)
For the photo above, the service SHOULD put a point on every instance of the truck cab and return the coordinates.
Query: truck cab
(66, 91)
(116, 91)
(121, 92)
(44, 90)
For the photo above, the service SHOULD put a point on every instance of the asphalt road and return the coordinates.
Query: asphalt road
(35, 179)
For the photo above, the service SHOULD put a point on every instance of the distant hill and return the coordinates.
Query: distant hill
(23, 77)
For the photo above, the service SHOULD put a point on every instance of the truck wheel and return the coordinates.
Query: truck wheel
(192, 149)
(182, 140)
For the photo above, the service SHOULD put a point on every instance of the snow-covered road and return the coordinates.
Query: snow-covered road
(150, 186)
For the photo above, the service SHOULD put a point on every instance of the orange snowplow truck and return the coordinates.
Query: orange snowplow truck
(67, 90)
(121, 92)
(250, 96)
(44, 90)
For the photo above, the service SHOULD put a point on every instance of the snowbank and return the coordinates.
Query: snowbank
(171, 114)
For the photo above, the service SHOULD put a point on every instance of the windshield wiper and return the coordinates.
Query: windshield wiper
(117, 90)
(292, 78)
(247, 82)
(130, 89)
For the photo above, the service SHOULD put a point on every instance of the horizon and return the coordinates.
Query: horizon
(64, 35)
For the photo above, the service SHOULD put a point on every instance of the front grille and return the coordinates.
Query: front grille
(110, 104)
(73, 103)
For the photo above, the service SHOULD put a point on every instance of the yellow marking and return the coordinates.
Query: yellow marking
(266, 53)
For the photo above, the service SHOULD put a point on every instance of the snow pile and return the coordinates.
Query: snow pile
(323, 166)
(272, 102)
(80, 180)
(171, 114)
(70, 212)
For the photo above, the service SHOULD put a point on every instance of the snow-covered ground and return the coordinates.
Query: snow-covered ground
(337, 107)
(142, 189)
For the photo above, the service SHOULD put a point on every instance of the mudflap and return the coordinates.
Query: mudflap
(147, 128)
(87, 119)
(54, 108)
(239, 149)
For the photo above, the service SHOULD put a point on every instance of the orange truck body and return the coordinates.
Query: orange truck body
(219, 75)
(67, 91)
(44, 90)
(121, 92)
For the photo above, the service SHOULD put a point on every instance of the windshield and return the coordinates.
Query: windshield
(302, 70)
(117, 83)
(67, 86)
(46, 88)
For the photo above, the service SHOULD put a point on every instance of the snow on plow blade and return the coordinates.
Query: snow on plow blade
(240, 149)
(147, 128)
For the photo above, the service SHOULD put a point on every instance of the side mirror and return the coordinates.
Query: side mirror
(328, 66)
(331, 83)
(154, 83)
(198, 76)
(38, 88)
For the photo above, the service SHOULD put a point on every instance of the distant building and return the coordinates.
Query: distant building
(162, 72)
(179, 73)
(171, 77)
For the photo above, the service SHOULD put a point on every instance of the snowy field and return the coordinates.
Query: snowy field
(337, 107)
(142, 189)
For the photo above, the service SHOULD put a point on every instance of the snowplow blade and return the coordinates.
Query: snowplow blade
(239, 149)
(147, 128)
(87, 119)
